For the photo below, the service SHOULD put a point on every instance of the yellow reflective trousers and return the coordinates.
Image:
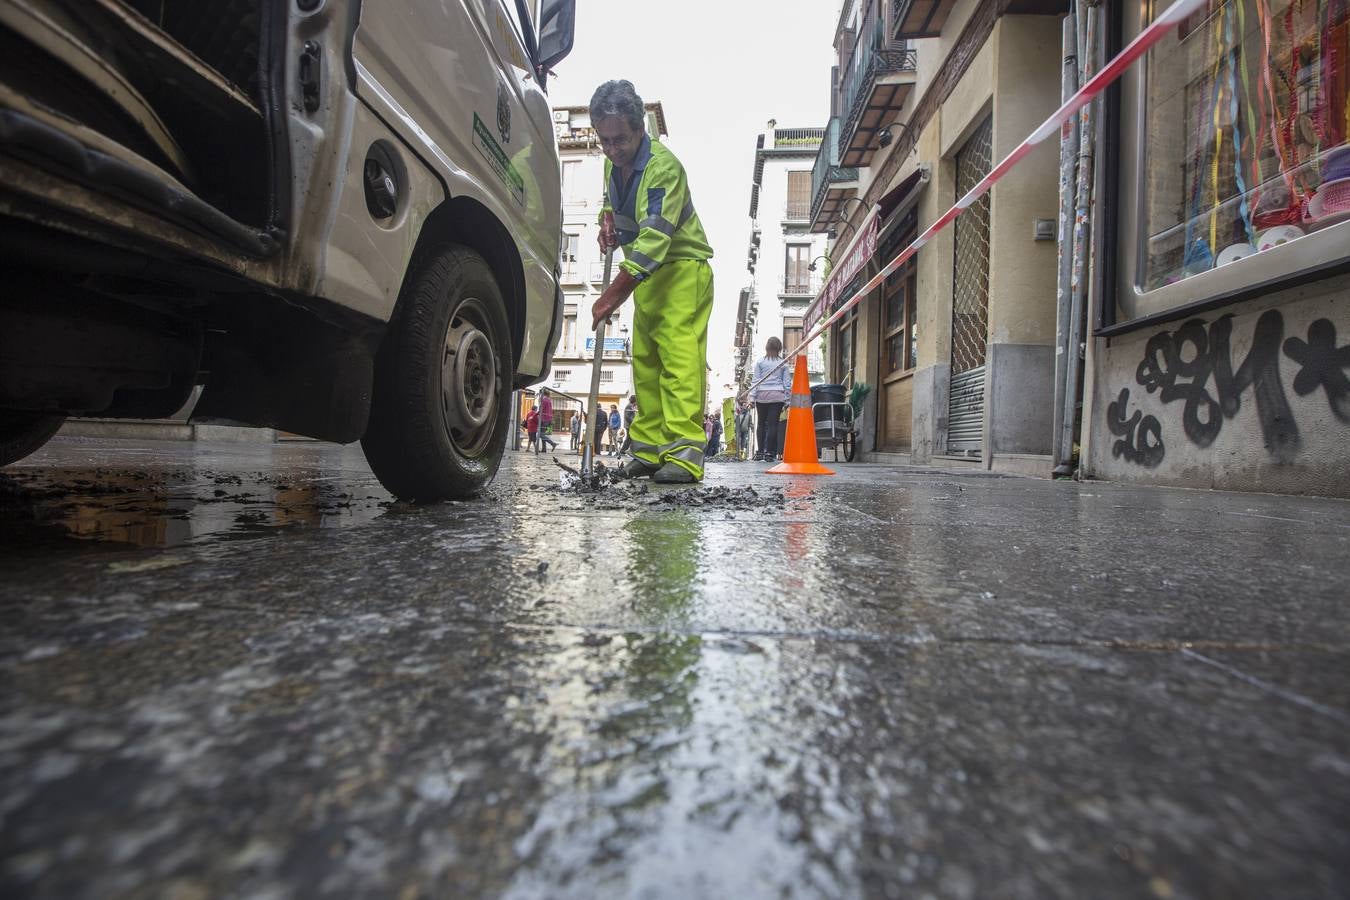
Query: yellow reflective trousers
(670, 349)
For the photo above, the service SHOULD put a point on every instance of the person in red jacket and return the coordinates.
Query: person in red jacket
(531, 427)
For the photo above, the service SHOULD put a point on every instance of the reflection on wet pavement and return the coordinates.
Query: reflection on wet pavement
(169, 506)
(889, 684)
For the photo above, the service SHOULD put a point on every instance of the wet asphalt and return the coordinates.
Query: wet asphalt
(244, 671)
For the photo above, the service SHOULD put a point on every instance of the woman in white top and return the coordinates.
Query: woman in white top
(769, 397)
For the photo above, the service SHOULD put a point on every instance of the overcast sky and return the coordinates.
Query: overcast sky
(721, 69)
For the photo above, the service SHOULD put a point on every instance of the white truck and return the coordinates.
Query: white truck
(340, 218)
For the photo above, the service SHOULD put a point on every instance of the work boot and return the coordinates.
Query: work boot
(637, 468)
(673, 474)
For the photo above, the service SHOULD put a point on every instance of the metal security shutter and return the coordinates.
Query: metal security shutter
(970, 299)
(965, 412)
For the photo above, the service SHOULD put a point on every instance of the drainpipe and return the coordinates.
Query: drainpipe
(1082, 231)
(1068, 157)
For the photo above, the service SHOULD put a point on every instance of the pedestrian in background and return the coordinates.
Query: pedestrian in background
(532, 429)
(546, 422)
(615, 423)
(601, 424)
(745, 422)
(768, 394)
(629, 413)
(714, 435)
(576, 431)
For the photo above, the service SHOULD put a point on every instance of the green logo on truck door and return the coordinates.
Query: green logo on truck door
(492, 151)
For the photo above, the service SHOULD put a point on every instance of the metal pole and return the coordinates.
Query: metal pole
(515, 420)
(1081, 233)
(1068, 160)
(593, 398)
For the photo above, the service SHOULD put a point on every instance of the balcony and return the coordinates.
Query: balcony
(877, 82)
(797, 211)
(914, 19)
(831, 183)
(801, 286)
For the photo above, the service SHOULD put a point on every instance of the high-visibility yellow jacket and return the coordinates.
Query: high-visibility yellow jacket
(654, 213)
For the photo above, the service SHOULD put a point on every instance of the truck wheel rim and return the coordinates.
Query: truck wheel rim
(469, 376)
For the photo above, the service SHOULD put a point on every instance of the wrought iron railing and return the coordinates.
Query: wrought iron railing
(826, 170)
(863, 72)
(789, 138)
(797, 284)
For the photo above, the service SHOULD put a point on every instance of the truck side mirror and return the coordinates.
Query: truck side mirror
(557, 22)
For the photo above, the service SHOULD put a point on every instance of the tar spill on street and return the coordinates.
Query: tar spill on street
(245, 671)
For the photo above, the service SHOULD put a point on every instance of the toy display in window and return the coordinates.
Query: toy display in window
(1246, 143)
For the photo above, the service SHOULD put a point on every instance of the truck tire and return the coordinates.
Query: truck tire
(441, 404)
(23, 433)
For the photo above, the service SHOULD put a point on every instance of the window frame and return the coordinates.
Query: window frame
(571, 193)
(568, 261)
(791, 286)
(789, 214)
(1127, 306)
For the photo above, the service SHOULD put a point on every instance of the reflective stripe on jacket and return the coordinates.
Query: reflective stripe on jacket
(654, 213)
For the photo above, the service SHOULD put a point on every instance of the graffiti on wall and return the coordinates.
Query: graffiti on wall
(1194, 366)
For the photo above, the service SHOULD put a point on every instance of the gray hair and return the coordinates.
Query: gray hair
(618, 99)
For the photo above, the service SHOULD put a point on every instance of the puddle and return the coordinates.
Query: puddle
(174, 507)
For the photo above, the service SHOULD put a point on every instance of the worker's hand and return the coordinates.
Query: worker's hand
(608, 238)
(605, 307)
(614, 296)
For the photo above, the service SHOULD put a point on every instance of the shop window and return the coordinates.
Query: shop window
(899, 311)
(900, 328)
(1243, 168)
(844, 364)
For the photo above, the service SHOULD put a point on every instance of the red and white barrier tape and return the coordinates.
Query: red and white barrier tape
(1157, 29)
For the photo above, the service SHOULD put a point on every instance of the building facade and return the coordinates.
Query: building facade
(1158, 297)
(958, 344)
(785, 259)
(1216, 349)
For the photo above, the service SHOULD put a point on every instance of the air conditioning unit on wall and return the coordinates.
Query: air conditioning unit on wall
(560, 115)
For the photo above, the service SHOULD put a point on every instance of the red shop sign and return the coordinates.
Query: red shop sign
(858, 255)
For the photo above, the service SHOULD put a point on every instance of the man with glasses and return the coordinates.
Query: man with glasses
(648, 212)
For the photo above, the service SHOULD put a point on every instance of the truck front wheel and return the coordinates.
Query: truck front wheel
(440, 411)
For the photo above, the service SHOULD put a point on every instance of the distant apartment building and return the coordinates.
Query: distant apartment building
(581, 265)
(785, 260)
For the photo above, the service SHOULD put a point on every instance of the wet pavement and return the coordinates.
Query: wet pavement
(243, 671)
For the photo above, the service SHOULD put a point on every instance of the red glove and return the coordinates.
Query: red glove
(608, 238)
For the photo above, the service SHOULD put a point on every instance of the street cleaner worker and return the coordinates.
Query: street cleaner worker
(648, 211)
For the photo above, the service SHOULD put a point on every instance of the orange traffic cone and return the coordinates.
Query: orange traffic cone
(799, 456)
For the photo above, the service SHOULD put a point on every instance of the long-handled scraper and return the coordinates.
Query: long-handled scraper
(593, 398)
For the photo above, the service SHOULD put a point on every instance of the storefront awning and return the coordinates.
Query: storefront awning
(855, 257)
(901, 197)
(864, 246)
